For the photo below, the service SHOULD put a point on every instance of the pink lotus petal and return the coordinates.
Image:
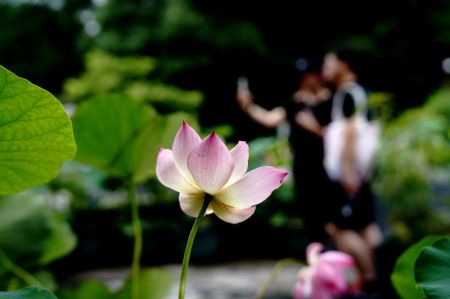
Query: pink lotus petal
(299, 290)
(329, 278)
(337, 259)
(185, 140)
(230, 214)
(210, 164)
(325, 277)
(253, 188)
(322, 294)
(240, 156)
(303, 290)
(169, 175)
(312, 252)
(192, 204)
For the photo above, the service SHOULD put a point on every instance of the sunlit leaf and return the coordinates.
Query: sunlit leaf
(36, 134)
(106, 73)
(121, 136)
(432, 269)
(28, 293)
(107, 127)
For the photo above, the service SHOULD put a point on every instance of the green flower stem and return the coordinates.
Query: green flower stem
(188, 249)
(274, 273)
(137, 231)
(18, 271)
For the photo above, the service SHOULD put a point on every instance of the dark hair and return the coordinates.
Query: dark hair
(351, 56)
(308, 65)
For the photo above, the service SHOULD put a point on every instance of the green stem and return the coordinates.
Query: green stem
(274, 273)
(137, 250)
(188, 249)
(18, 271)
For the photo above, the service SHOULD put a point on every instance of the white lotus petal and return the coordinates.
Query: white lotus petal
(252, 188)
(170, 176)
(211, 164)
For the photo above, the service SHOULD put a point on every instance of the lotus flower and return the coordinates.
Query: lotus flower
(200, 169)
(327, 275)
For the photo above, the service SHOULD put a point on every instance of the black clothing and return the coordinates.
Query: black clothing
(311, 181)
(352, 212)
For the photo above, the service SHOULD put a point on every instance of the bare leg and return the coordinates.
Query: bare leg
(372, 235)
(352, 243)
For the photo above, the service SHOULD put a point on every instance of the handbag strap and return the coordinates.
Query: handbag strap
(359, 97)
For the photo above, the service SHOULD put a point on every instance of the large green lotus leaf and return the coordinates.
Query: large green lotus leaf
(403, 276)
(154, 283)
(106, 127)
(432, 269)
(36, 134)
(28, 293)
(121, 136)
(160, 133)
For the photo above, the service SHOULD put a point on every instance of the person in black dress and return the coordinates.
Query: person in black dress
(351, 215)
(304, 111)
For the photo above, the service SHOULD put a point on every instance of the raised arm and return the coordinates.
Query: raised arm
(268, 118)
(308, 121)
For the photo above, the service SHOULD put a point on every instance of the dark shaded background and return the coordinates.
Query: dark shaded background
(206, 45)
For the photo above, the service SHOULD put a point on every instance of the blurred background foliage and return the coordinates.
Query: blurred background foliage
(413, 168)
(130, 71)
(32, 235)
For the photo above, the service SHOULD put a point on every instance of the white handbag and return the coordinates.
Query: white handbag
(367, 133)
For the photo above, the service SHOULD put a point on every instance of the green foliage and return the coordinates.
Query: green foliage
(412, 164)
(106, 74)
(422, 270)
(24, 228)
(179, 18)
(438, 104)
(36, 138)
(432, 268)
(167, 25)
(61, 240)
(276, 152)
(155, 283)
(127, 26)
(45, 59)
(381, 105)
(402, 277)
(270, 150)
(35, 133)
(87, 289)
(31, 234)
(123, 118)
(165, 98)
(122, 137)
(84, 186)
(28, 293)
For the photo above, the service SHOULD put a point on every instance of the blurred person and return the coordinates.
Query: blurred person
(308, 104)
(352, 225)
